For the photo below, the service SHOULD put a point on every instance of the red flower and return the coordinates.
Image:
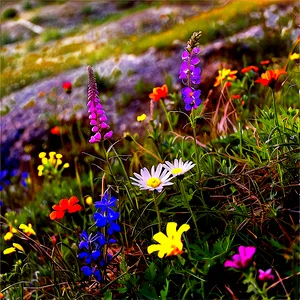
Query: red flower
(235, 96)
(67, 86)
(159, 92)
(64, 206)
(249, 68)
(270, 77)
(56, 130)
(265, 62)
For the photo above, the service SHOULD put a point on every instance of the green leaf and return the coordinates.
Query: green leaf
(164, 292)
(150, 273)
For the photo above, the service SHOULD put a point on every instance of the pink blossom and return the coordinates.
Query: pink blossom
(241, 260)
(265, 275)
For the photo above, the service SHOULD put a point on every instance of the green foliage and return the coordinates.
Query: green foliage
(51, 34)
(9, 13)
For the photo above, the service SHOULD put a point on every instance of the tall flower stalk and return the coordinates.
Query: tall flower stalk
(97, 115)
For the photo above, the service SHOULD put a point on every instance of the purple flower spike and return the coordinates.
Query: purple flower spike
(190, 75)
(97, 114)
(241, 260)
(265, 275)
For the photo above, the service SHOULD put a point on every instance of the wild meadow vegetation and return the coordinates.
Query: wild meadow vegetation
(201, 203)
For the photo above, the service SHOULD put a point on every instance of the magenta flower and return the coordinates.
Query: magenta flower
(241, 260)
(97, 114)
(265, 275)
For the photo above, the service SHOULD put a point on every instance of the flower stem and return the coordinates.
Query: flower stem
(276, 117)
(193, 124)
(157, 211)
(167, 115)
(182, 189)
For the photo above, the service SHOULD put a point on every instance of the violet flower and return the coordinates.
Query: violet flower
(241, 260)
(97, 114)
(265, 275)
(190, 75)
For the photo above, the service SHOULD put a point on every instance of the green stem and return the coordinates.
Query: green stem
(167, 115)
(157, 211)
(193, 124)
(276, 117)
(182, 189)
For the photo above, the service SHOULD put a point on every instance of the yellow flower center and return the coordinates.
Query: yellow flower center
(176, 171)
(153, 182)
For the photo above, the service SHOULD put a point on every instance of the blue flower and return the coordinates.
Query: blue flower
(88, 271)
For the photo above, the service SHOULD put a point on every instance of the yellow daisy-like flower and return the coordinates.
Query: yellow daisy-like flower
(141, 118)
(27, 229)
(294, 56)
(171, 243)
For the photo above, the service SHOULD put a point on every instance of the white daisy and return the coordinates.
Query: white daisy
(154, 181)
(178, 168)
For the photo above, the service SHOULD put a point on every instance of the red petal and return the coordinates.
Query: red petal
(64, 204)
(57, 215)
(74, 208)
(57, 207)
(72, 201)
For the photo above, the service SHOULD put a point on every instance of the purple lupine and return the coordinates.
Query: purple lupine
(190, 74)
(241, 260)
(97, 114)
(265, 275)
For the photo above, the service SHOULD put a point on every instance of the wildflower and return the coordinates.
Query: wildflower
(56, 130)
(13, 249)
(89, 200)
(191, 98)
(265, 275)
(190, 74)
(67, 86)
(8, 236)
(235, 96)
(270, 18)
(141, 118)
(270, 77)
(225, 74)
(64, 206)
(88, 271)
(1, 296)
(97, 114)
(294, 56)
(106, 215)
(265, 62)
(249, 68)
(41, 94)
(155, 180)
(171, 243)
(178, 167)
(241, 260)
(27, 229)
(158, 93)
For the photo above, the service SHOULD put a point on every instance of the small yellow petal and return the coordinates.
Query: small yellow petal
(294, 56)
(8, 236)
(42, 154)
(44, 160)
(9, 250)
(19, 247)
(66, 165)
(40, 168)
(89, 200)
(51, 154)
(141, 118)
(58, 155)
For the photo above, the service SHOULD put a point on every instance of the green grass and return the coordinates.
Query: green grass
(56, 63)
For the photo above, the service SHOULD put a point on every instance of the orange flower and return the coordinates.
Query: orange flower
(64, 206)
(249, 68)
(270, 77)
(265, 62)
(159, 92)
(57, 130)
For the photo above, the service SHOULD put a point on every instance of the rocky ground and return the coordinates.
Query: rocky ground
(25, 124)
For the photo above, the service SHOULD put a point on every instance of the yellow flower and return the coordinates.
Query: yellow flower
(42, 154)
(58, 155)
(141, 118)
(66, 165)
(294, 56)
(13, 249)
(27, 229)
(170, 244)
(89, 200)
(8, 236)
(225, 74)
